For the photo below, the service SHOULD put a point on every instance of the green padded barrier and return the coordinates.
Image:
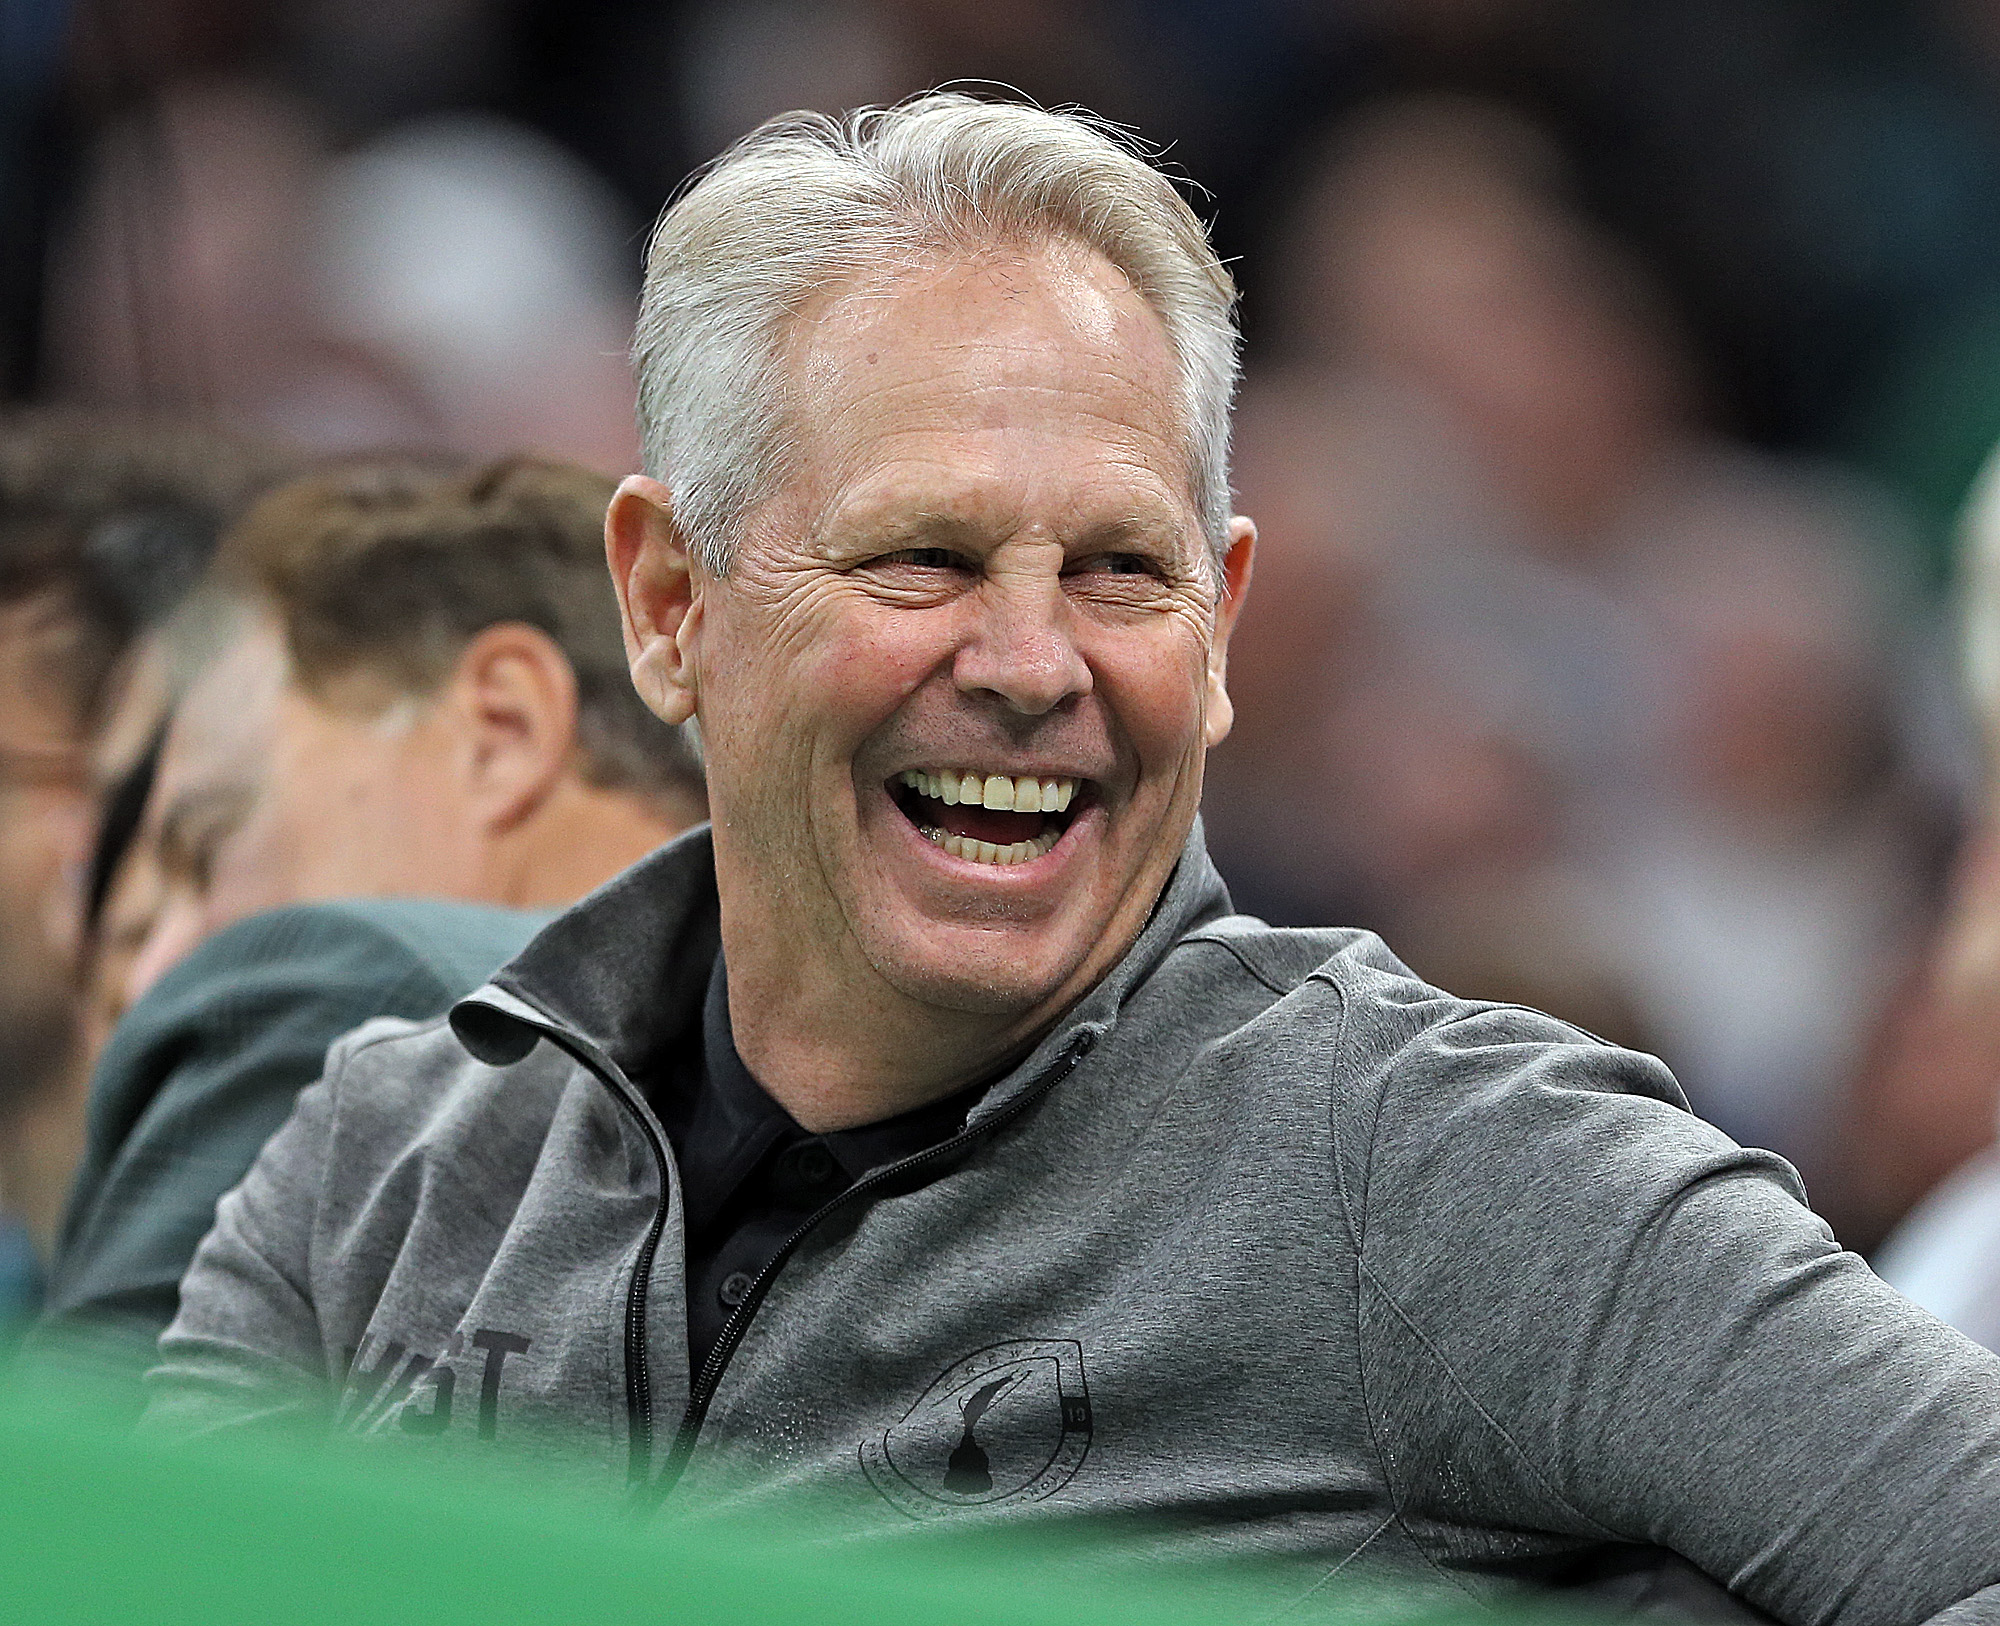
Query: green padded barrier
(99, 1527)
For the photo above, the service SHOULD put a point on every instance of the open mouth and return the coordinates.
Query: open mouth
(987, 818)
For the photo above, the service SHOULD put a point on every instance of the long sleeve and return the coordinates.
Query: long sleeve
(245, 1348)
(1586, 1304)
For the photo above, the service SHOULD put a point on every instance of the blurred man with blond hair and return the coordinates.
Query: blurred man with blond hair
(411, 733)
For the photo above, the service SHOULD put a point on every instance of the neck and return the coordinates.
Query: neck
(574, 841)
(838, 1045)
(835, 1059)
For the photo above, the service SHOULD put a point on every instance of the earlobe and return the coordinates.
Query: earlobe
(1236, 571)
(657, 595)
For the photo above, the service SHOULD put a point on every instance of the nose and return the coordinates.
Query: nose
(1021, 645)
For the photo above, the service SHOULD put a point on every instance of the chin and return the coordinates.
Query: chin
(990, 983)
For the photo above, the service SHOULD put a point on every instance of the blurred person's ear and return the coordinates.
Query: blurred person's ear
(1236, 569)
(512, 698)
(654, 577)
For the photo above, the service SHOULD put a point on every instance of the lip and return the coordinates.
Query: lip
(1025, 771)
(1027, 876)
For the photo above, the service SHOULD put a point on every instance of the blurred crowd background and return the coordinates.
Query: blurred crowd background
(1620, 377)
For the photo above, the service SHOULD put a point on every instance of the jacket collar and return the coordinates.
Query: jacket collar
(625, 970)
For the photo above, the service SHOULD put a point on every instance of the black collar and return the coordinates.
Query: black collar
(725, 1126)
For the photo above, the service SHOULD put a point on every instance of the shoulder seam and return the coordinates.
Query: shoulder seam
(1472, 1400)
(1238, 956)
(1352, 1213)
(1356, 1212)
(1486, 1007)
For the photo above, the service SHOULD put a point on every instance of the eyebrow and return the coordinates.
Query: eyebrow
(937, 529)
(905, 531)
(1137, 528)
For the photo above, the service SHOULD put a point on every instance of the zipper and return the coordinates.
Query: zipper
(638, 1366)
(651, 1495)
(648, 1491)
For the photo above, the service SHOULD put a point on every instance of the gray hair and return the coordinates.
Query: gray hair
(805, 202)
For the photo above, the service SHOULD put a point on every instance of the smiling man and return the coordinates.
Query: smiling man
(929, 1135)
(994, 578)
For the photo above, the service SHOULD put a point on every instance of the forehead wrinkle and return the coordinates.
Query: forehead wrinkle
(1095, 442)
(1088, 295)
(867, 393)
(993, 381)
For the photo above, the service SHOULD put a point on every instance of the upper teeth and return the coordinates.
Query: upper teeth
(1008, 793)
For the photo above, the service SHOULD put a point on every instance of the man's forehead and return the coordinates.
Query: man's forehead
(1004, 297)
(921, 388)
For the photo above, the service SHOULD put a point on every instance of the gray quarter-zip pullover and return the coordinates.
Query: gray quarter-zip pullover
(1269, 1247)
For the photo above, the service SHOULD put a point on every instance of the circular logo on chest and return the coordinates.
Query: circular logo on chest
(1010, 1422)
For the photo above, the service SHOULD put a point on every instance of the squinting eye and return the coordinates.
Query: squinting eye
(1120, 564)
(922, 558)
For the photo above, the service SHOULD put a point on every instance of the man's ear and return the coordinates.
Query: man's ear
(657, 595)
(1236, 569)
(513, 695)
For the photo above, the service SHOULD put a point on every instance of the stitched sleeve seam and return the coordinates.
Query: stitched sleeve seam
(1526, 1460)
(1355, 1231)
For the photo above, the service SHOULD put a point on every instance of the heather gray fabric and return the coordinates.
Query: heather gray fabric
(199, 1075)
(1269, 1251)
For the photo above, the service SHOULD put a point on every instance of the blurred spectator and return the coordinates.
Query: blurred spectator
(1772, 870)
(1926, 1105)
(420, 691)
(456, 281)
(414, 690)
(103, 523)
(1541, 651)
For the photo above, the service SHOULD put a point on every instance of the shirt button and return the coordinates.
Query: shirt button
(815, 1165)
(735, 1288)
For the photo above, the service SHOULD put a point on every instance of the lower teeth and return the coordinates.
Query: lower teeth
(985, 852)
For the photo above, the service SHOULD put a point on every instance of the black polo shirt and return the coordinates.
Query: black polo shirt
(750, 1176)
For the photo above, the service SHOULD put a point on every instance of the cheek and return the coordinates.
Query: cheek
(1159, 700)
(831, 671)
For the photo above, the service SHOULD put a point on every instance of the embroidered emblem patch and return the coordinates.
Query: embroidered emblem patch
(1010, 1422)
